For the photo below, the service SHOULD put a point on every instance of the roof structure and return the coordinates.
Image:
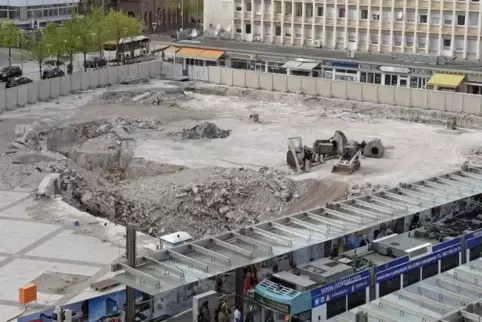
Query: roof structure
(168, 269)
(444, 297)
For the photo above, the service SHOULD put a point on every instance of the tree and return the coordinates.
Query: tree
(118, 25)
(10, 37)
(37, 50)
(96, 26)
(54, 42)
(70, 35)
(84, 37)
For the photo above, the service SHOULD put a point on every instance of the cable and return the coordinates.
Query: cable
(17, 316)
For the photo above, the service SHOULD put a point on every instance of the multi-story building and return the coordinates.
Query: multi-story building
(441, 28)
(28, 14)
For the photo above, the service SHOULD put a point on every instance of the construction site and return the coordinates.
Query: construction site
(168, 156)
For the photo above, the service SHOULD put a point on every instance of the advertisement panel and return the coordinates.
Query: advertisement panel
(417, 263)
(474, 239)
(81, 313)
(342, 287)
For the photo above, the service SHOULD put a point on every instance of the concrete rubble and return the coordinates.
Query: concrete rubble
(204, 130)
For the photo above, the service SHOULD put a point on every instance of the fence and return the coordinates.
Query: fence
(407, 97)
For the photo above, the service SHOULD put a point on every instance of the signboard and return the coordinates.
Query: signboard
(345, 286)
(446, 244)
(341, 64)
(474, 239)
(417, 263)
(393, 263)
(398, 70)
(276, 306)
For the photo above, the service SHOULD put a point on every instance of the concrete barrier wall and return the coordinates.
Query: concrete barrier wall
(407, 97)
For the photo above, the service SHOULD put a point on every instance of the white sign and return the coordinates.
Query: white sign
(390, 69)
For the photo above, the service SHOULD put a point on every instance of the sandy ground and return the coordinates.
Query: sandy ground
(414, 150)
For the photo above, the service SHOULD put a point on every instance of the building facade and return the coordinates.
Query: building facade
(440, 28)
(32, 14)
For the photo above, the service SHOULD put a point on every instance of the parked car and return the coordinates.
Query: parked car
(17, 81)
(94, 62)
(52, 73)
(8, 72)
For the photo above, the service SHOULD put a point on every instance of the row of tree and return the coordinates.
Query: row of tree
(77, 35)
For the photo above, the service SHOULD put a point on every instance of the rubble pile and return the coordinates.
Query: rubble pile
(169, 96)
(202, 202)
(204, 130)
(357, 190)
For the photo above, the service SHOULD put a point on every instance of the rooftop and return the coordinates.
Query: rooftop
(40, 243)
(438, 298)
(168, 269)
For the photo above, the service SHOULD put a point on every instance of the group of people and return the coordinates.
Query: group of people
(223, 313)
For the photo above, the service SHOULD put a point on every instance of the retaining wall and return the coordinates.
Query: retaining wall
(405, 97)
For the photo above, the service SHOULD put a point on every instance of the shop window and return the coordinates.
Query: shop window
(475, 252)
(335, 307)
(391, 80)
(449, 263)
(430, 270)
(389, 286)
(357, 299)
(411, 277)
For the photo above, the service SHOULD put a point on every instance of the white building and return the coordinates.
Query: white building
(443, 28)
(28, 14)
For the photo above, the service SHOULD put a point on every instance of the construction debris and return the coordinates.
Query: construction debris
(374, 149)
(349, 161)
(205, 130)
(254, 118)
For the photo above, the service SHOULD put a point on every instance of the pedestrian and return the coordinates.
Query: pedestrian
(223, 315)
(249, 315)
(205, 316)
(238, 315)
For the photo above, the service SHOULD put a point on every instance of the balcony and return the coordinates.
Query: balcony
(410, 27)
(387, 3)
(423, 5)
(363, 23)
(411, 4)
(398, 26)
(462, 6)
(447, 30)
(472, 31)
(436, 5)
(318, 20)
(460, 30)
(375, 24)
(449, 5)
(276, 18)
(298, 19)
(238, 15)
(474, 6)
(248, 15)
(352, 23)
(399, 3)
(435, 29)
(422, 28)
(330, 21)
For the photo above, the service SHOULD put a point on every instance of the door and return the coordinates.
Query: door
(403, 81)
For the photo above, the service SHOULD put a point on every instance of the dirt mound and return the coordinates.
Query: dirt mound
(205, 130)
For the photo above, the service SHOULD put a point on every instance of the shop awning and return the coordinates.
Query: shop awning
(292, 64)
(209, 54)
(307, 66)
(189, 52)
(170, 51)
(446, 80)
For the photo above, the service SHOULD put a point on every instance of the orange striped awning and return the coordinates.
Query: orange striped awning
(189, 52)
(171, 50)
(210, 54)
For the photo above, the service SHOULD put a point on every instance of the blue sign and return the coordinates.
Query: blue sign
(344, 286)
(393, 263)
(474, 239)
(417, 263)
(446, 244)
(341, 64)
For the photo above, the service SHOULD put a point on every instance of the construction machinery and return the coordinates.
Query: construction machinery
(349, 161)
(303, 157)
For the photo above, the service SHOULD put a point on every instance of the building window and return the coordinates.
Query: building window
(374, 39)
(423, 18)
(299, 9)
(239, 30)
(288, 8)
(277, 31)
(460, 20)
(364, 14)
(309, 10)
(421, 44)
(248, 6)
(319, 11)
(341, 13)
(239, 8)
(375, 16)
(447, 43)
(277, 8)
(248, 28)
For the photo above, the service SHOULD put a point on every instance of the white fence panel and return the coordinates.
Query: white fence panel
(44, 89)
(85, 80)
(76, 80)
(171, 70)
(198, 73)
(143, 70)
(133, 70)
(154, 69)
(123, 72)
(33, 92)
(12, 94)
(93, 78)
(3, 101)
(65, 85)
(55, 87)
(112, 75)
(103, 80)
(22, 95)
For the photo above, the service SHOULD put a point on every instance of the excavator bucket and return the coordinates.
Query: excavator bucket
(344, 170)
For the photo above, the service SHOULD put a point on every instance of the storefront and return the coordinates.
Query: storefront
(473, 84)
(370, 74)
(446, 82)
(301, 67)
(340, 71)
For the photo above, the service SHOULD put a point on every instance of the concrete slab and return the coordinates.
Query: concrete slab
(8, 197)
(17, 235)
(8, 312)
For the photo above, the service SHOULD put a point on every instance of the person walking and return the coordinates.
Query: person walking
(238, 315)
(223, 315)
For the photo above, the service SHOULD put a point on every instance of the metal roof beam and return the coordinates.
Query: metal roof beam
(474, 264)
(430, 191)
(470, 316)
(343, 216)
(143, 277)
(402, 308)
(323, 219)
(253, 242)
(467, 186)
(424, 301)
(377, 208)
(376, 314)
(367, 213)
(390, 203)
(401, 198)
(477, 177)
(235, 249)
(417, 194)
(447, 188)
(192, 263)
(460, 272)
(213, 255)
(459, 178)
(443, 292)
(289, 231)
(167, 269)
(458, 284)
(273, 237)
(309, 226)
